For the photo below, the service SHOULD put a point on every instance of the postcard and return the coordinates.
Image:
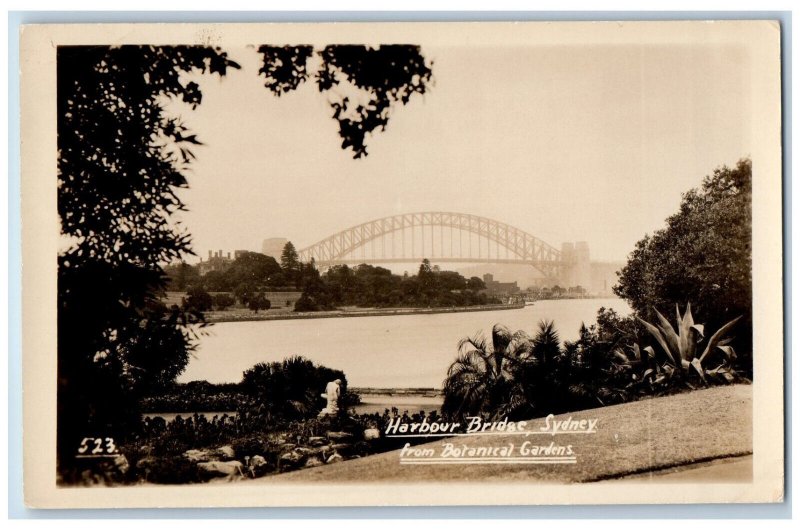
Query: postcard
(373, 264)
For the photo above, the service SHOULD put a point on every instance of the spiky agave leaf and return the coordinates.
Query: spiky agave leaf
(695, 363)
(620, 355)
(668, 332)
(730, 353)
(695, 337)
(700, 329)
(722, 372)
(690, 333)
(656, 333)
(685, 324)
(715, 339)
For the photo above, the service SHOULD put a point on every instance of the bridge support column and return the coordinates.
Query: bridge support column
(576, 269)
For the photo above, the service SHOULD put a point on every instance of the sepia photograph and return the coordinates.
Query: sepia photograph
(371, 264)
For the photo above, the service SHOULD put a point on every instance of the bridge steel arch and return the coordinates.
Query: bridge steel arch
(526, 248)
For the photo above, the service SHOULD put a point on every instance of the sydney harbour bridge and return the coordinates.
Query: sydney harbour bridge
(442, 237)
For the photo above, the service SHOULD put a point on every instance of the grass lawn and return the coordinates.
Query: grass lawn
(649, 435)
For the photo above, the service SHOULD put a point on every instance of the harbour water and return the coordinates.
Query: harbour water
(404, 351)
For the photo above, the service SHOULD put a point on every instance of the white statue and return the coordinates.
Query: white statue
(332, 393)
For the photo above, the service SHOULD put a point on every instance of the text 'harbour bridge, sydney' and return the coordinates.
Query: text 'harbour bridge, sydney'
(442, 237)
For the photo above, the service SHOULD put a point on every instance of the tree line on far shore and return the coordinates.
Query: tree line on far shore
(370, 286)
(251, 269)
(248, 279)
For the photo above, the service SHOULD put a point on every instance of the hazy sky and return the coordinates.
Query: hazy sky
(568, 143)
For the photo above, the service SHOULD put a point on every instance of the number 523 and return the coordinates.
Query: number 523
(97, 446)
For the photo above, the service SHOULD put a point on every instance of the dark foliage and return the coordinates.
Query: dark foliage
(384, 76)
(202, 396)
(168, 470)
(249, 268)
(120, 164)
(290, 389)
(198, 299)
(482, 379)
(258, 303)
(180, 276)
(284, 67)
(308, 303)
(520, 376)
(371, 286)
(703, 256)
(476, 284)
(223, 301)
(195, 396)
(249, 272)
(290, 263)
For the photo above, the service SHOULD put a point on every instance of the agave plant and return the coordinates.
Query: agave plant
(644, 368)
(682, 346)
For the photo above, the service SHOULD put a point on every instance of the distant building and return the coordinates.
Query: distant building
(495, 288)
(217, 261)
(273, 247)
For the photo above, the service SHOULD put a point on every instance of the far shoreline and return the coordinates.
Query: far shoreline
(221, 318)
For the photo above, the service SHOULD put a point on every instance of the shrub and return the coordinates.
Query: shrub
(223, 301)
(195, 396)
(350, 399)
(289, 389)
(250, 446)
(257, 302)
(198, 299)
(305, 303)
